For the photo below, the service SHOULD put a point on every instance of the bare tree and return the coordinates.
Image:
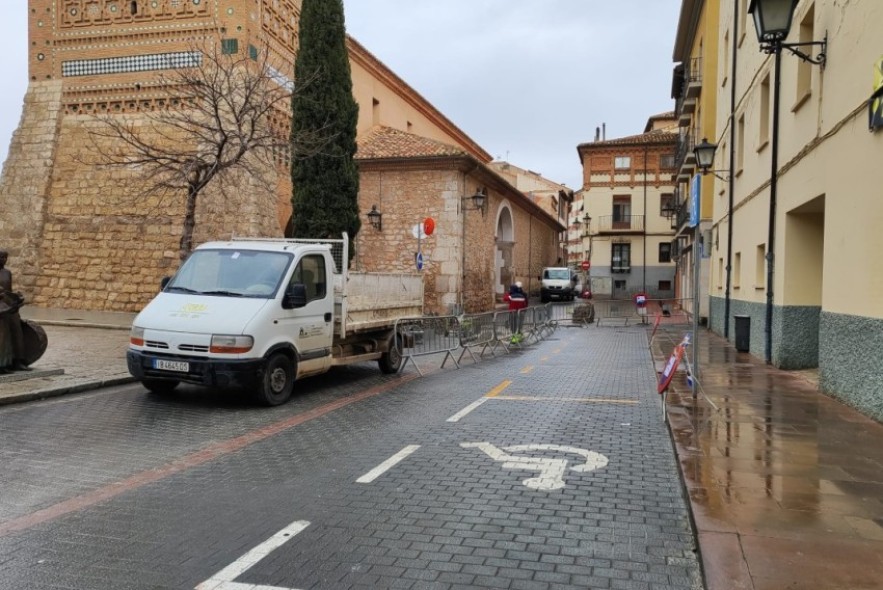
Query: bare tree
(226, 117)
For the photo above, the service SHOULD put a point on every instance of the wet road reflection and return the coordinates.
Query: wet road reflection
(778, 465)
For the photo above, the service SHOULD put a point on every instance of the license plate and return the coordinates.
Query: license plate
(164, 365)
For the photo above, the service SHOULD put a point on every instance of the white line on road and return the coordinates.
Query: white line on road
(387, 465)
(456, 417)
(223, 580)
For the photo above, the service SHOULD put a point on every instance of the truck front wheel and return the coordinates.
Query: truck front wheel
(391, 360)
(277, 382)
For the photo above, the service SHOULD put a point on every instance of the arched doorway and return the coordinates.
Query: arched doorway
(504, 263)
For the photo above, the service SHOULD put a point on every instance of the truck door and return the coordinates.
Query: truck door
(310, 327)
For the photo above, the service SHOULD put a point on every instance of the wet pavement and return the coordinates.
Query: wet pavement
(785, 484)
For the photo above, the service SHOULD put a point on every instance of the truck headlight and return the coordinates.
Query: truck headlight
(136, 336)
(223, 344)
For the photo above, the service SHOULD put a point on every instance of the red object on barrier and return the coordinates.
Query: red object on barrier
(670, 368)
(655, 326)
(640, 299)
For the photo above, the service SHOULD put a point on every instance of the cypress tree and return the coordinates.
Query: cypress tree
(325, 184)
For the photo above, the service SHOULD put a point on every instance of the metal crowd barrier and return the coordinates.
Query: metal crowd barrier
(422, 336)
(619, 311)
(576, 313)
(478, 334)
(476, 331)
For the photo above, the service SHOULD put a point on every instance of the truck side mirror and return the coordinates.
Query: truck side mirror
(164, 282)
(295, 296)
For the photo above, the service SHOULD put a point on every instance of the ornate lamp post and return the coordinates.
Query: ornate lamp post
(772, 20)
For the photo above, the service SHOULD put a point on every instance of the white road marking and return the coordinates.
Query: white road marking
(551, 470)
(456, 417)
(223, 580)
(387, 465)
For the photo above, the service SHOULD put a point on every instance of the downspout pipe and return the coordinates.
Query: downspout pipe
(732, 167)
(774, 173)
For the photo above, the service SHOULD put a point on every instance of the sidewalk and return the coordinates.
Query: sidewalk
(785, 484)
(86, 350)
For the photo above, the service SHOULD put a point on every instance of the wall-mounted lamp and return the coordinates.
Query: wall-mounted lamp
(704, 152)
(376, 218)
(479, 200)
(587, 220)
(772, 21)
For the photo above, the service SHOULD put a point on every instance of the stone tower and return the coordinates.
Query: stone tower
(76, 239)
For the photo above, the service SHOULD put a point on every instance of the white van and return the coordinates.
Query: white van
(557, 282)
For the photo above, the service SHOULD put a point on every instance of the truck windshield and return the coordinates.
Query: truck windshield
(231, 273)
(558, 274)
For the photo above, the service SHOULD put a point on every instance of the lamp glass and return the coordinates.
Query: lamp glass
(772, 18)
(478, 200)
(374, 216)
(705, 154)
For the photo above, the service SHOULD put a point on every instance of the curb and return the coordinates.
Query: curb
(64, 390)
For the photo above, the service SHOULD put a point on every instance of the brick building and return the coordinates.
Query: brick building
(628, 192)
(80, 240)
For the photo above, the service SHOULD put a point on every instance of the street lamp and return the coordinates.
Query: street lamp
(479, 200)
(704, 153)
(375, 217)
(772, 21)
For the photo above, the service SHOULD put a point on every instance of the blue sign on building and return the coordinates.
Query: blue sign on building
(694, 200)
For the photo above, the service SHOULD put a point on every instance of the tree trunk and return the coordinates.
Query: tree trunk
(189, 223)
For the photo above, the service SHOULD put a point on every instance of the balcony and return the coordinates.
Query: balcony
(685, 159)
(693, 78)
(621, 224)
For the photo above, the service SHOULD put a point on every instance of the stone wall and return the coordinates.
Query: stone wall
(88, 236)
(25, 180)
(459, 271)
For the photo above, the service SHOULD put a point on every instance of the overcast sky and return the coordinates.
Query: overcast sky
(526, 79)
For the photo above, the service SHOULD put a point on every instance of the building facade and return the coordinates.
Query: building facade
(695, 91)
(80, 239)
(627, 192)
(804, 269)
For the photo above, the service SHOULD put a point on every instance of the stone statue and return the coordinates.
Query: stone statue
(13, 355)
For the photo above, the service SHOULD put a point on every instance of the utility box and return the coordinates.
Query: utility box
(743, 332)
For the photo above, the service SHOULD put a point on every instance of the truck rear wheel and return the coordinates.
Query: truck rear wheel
(160, 386)
(391, 360)
(277, 382)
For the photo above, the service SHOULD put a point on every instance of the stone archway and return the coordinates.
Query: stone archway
(504, 263)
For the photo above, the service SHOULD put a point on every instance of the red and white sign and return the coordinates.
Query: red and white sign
(585, 265)
(670, 368)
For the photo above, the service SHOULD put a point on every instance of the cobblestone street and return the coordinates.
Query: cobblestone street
(546, 468)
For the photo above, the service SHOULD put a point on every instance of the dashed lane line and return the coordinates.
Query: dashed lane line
(388, 464)
(224, 579)
(498, 389)
(489, 395)
(588, 400)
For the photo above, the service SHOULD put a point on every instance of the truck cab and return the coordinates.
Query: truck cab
(557, 282)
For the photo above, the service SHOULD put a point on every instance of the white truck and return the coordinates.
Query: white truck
(259, 314)
(557, 282)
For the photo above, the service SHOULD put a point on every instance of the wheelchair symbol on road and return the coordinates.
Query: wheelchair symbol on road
(551, 470)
